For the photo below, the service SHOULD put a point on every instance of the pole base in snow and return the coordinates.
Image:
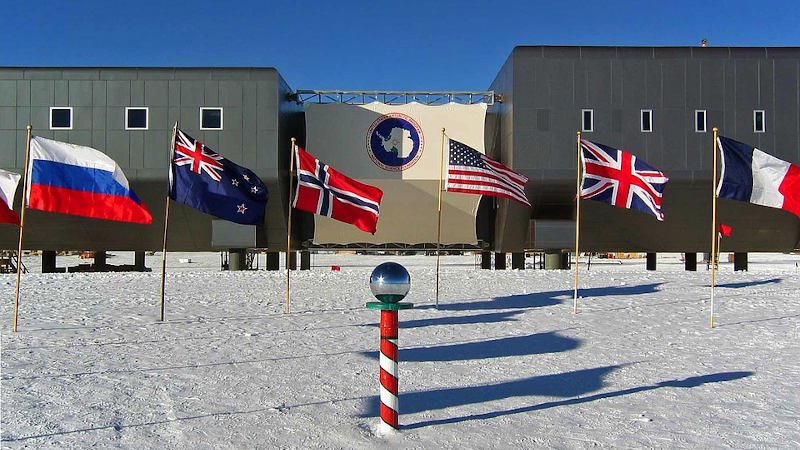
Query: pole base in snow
(386, 429)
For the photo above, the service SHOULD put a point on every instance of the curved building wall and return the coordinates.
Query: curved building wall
(258, 119)
(534, 129)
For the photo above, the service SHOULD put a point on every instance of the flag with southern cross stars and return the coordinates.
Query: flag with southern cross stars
(206, 181)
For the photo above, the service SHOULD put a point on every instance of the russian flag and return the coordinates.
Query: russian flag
(750, 175)
(78, 180)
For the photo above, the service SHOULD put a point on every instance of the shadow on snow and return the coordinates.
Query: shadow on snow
(570, 384)
(550, 298)
(533, 344)
(748, 283)
(505, 316)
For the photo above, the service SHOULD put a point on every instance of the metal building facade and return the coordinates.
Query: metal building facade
(257, 119)
(545, 89)
(533, 130)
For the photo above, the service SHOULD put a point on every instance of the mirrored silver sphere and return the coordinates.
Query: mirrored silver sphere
(390, 282)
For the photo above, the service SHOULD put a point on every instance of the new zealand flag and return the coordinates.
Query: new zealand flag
(206, 181)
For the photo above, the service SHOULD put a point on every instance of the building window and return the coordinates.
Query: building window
(759, 121)
(647, 120)
(700, 120)
(136, 118)
(587, 120)
(210, 118)
(61, 118)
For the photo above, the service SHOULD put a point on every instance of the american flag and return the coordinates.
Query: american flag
(471, 172)
(621, 179)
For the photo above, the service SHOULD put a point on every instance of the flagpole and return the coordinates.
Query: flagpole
(577, 223)
(166, 222)
(22, 222)
(439, 224)
(289, 222)
(713, 224)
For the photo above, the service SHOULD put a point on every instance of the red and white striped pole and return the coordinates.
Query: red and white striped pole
(390, 283)
(389, 372)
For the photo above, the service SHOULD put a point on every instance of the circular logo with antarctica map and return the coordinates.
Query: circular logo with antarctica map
(395, 142)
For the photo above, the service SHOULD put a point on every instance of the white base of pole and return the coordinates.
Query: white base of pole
(386, 429)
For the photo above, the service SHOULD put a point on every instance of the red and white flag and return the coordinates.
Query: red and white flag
(472, 172)
(323, 190)
(8, 187)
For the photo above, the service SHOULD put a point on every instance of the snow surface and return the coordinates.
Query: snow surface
(503, 363)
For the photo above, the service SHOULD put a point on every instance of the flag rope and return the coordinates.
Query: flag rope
(577, 223)
(289, 222)
(439, 224)
(166, 221)
(713, 255)
(25, 181)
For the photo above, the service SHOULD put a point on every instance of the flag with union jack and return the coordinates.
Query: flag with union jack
(621, 179)
(204, 180)
(325, 191)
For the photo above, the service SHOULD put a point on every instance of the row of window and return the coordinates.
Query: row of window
(646, 122)
(136, 118)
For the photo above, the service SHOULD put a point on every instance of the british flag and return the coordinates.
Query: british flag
(621, 179)
(323, 190)
(194, 153)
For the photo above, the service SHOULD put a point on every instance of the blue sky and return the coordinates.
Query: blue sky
(377, 45)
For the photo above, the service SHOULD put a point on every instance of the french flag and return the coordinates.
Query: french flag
(750, 175)
(73, 179)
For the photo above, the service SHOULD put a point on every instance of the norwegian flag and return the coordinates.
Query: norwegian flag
(621, 179)
(325, 191)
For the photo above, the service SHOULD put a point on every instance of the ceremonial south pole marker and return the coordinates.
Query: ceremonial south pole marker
(389, 283)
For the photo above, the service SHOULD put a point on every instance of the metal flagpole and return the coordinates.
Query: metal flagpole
(289, 221)
(22, 221)
(713, 224)
(439, 226)
(577, 224)
(166, 221)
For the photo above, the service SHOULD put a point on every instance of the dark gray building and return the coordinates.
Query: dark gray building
(657, 103)
(129, 113)
(661, 105)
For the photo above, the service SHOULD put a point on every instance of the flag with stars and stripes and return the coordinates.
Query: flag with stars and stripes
(325, 191)
(206, 181)
(472, 172)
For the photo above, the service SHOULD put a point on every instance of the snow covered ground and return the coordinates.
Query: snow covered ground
(503, 363)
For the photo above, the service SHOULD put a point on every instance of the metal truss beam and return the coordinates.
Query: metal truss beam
(395, 97)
